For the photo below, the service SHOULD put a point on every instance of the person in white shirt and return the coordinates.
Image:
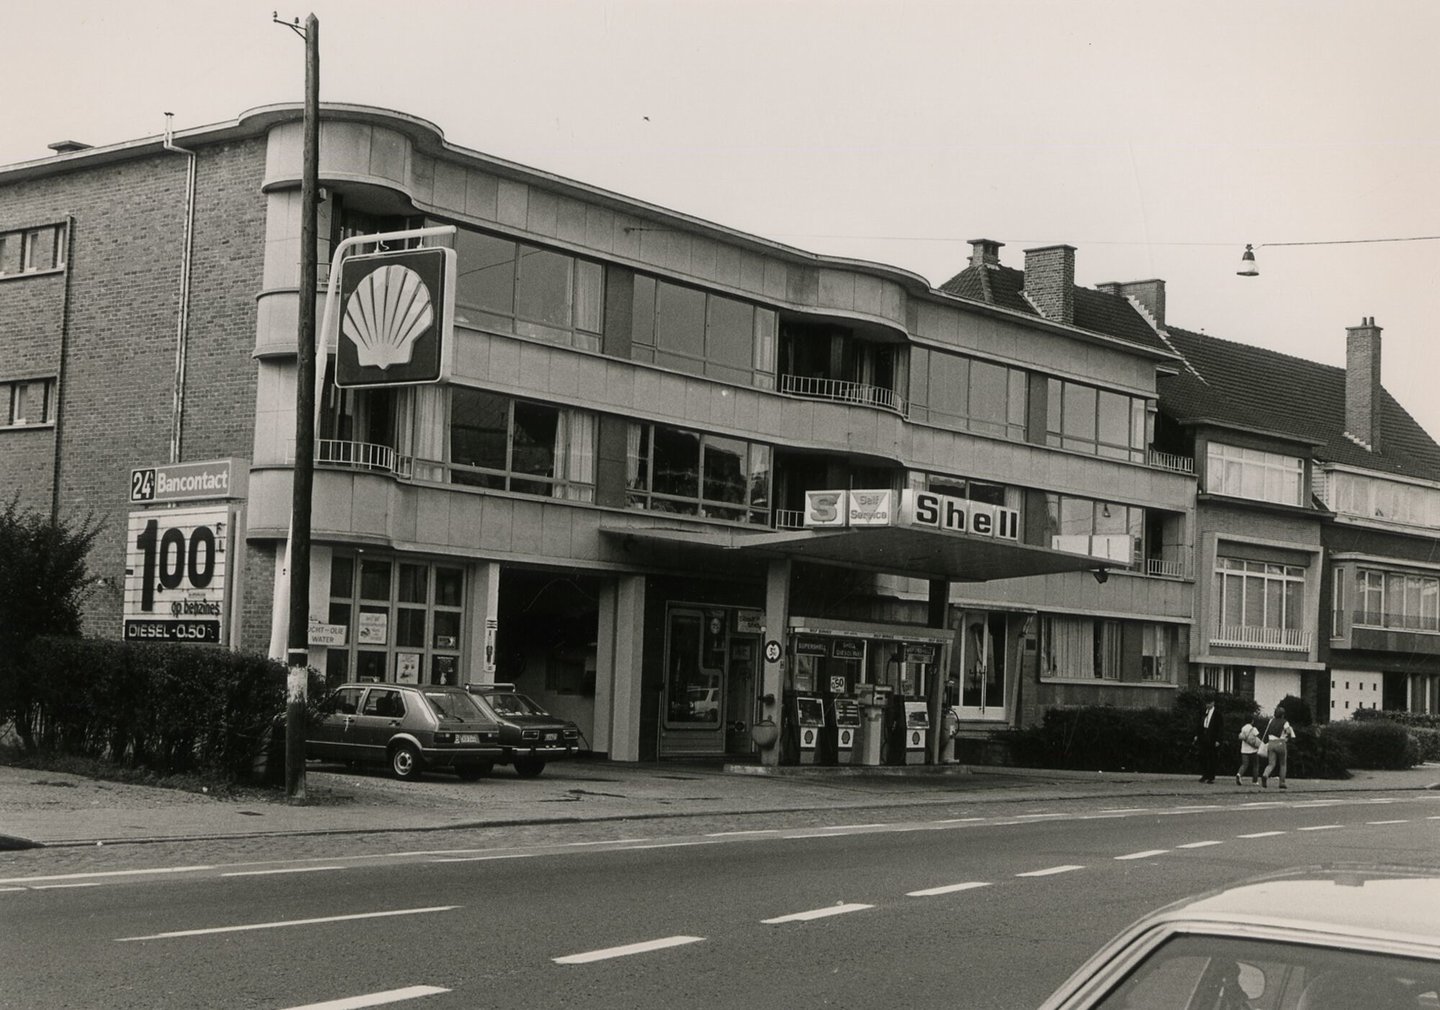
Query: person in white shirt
(1249, 752)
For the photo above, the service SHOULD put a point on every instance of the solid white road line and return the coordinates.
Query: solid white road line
(292, 869)
(1320, 827)
(104, 873)
(288, 922)
(1049, 871)
(14, 889)
(627, 950)
(750, 831)
(1260, 834)
(817, 913)
(1388, 822)
(374, 998)
(1198, 845)
(969, 885)
(481, 859)
(56, 887)
(1144, 855)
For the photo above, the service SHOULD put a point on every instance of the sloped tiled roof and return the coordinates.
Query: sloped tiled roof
(1251, 387)
(1096, 311)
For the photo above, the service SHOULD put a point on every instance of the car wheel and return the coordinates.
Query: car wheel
(529, 768)
(404, 761)
(471, 772)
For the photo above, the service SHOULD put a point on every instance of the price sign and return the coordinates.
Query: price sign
(176, 575)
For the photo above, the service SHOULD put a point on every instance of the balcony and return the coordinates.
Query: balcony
(841, 391)
(1171, 462)
(1275, 639)
(361, 456)
(1164, 569)
(1387, 621)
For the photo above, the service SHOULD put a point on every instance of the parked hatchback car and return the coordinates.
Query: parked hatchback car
(529, 735)
(1318, 938)
(409, 727)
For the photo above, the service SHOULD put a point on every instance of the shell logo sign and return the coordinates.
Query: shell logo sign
(396, 318)
(915, 508)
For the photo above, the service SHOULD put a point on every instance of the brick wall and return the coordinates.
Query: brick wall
(124, 275)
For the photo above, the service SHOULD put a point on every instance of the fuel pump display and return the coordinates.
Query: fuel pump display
(917, 721)
(845, 716)
(809, 715)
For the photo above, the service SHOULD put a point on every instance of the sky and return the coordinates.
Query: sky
(1158, 138)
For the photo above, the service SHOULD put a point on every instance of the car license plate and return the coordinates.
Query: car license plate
(550, 736)
(467, 738)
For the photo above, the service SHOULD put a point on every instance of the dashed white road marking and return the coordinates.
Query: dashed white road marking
(1199, 845)
(1123, 810)
(817, 913)
(292, 869)
(1144, 855)
(663, 845)
(1388, 822)
(104, 873)
(959, 820)
(374, 998)
(1049, 871)
(481, 859)
(14, 888)
(628, 949)
(750, 831)
(1321, 827)
(1260, 834)
(969, 885)
(287, 922)
(56, 887)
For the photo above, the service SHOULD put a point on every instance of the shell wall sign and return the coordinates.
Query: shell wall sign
(395, 316)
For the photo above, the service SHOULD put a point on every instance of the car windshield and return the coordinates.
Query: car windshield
(1219, 973)
(453, 706)
(510, 703)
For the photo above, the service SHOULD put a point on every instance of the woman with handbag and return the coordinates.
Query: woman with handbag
(1249, 752)
(1277, 732)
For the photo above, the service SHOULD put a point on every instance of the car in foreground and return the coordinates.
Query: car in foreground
(409, 727)
(529, 735)
(1316, 938)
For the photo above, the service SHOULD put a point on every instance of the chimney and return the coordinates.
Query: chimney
(1150, 294)
(985, 252)
(1050, 281)
(68, 146)
(1362, 383)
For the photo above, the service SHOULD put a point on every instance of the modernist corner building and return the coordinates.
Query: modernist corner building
(700, 492)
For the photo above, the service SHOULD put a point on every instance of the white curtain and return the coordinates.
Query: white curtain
(575, 455)
(1069, 647)
(428, 422)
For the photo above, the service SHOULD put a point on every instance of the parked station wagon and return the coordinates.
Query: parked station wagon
(408, 727)
(529, 735)
(1318, 938)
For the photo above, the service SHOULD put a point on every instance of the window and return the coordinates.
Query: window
(1391, 501)
(402, 620)
(27, 402)
(1259, 594)
(32, 250)
(972, 490)
(516, 445)
(968, 394)
(687, 472)
(1096, 421)
(701, 333)
(1088, 648)
(1104, 529)
(1395, 600)
(523, 289)
(1157, 650)
(1251, 473)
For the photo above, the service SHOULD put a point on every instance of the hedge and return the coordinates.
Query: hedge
(167, 708)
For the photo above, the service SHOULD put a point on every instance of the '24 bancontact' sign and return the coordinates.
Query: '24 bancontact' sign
(176, 575)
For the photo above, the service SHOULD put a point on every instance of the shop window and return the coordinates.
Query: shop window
(403, 621)
(690, 473)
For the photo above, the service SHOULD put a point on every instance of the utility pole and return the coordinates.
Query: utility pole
(298, 648)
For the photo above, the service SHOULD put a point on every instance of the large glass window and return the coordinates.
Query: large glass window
(518, 288)
(968, 394)
(694, 331)
(1096, 421)
(1397, 600)
(687, 472)
(1386, 500)
(1259, 594)
(517, 445)
(1089, 648)
(402, 621)
(1252, 473)
(1101, 528)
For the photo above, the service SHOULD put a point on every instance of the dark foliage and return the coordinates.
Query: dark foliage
(1375, 743)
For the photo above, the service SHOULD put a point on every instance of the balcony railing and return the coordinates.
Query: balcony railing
(361, 456)
(1286, 639)
(1165, 569)
(1395, 622)
(840, 391)
(1171, 462)
(789, 519)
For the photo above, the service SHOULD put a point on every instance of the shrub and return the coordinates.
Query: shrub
(1378, 743)
(168, 708)
(1313, 755)
(1297, 712)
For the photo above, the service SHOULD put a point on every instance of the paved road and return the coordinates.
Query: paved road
(948, 904)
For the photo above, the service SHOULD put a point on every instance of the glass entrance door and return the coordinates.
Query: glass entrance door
(982, 666)
(693, 699)
(740, 701)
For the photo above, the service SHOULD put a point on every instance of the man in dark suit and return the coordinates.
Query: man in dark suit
(1208, 736)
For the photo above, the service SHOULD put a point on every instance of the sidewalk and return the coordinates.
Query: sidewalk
(54, 809)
